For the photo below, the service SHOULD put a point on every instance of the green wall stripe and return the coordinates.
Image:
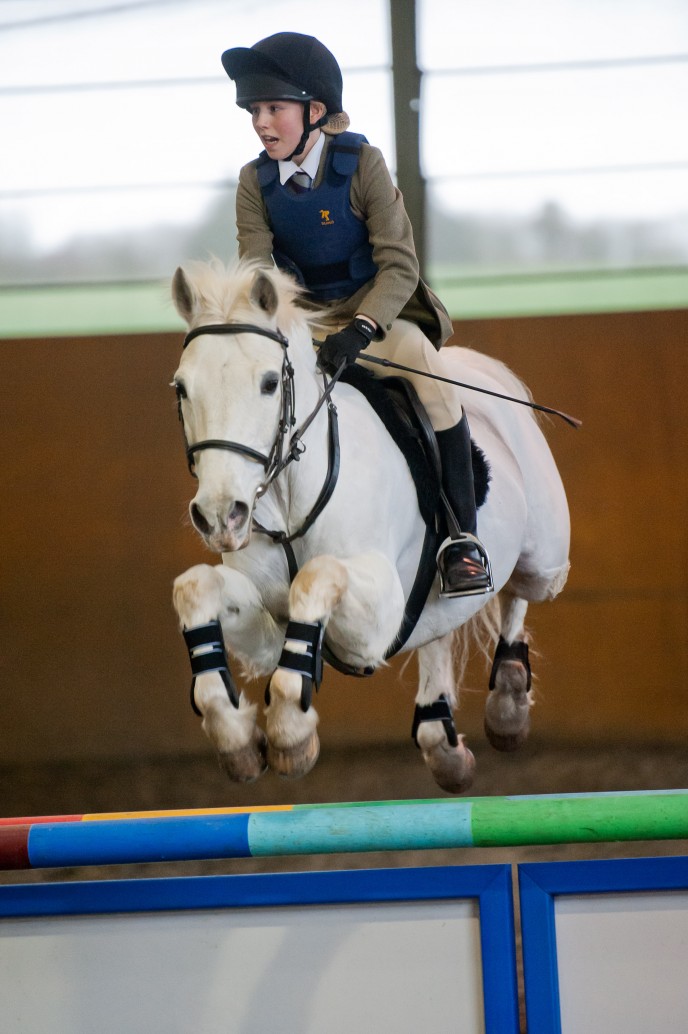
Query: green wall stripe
(129, 308)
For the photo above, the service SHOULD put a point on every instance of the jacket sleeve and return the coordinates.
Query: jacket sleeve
(375, 199)
(253, 229)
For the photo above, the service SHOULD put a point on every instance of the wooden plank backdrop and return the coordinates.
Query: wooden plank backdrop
(94, 530)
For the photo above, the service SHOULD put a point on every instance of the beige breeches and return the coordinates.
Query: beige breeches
(405, 343)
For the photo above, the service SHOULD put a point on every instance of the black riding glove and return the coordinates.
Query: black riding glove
(345, 345)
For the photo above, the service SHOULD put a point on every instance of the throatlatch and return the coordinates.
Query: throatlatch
(438, 711)
(206, 647)
(308, 664)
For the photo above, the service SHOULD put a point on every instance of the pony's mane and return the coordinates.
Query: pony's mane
(223, 293)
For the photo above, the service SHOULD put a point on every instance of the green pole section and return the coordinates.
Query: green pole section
(505, 822)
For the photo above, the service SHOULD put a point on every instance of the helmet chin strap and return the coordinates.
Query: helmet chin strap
(308, 128)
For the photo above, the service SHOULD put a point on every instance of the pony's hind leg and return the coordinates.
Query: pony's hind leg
(203, 596)
(507, 709)
(451, 762)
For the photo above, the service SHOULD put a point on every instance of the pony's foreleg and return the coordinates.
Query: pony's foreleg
(293, 743)
(507, 709)
(203, 595)
(451, 762)
(360, 601)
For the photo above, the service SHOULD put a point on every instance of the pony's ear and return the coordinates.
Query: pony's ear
(182, 295)
(264, 294)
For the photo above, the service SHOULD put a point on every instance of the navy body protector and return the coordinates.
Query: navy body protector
(317, 238)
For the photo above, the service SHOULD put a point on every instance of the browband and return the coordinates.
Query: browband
(236, 328)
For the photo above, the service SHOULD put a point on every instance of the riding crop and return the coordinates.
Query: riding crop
(572, 421)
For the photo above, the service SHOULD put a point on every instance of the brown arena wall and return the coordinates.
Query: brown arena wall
(94, 531)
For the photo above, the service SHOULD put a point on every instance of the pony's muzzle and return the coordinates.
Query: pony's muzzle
(224, 529)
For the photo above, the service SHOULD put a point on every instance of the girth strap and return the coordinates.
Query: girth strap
(420, 591)
(206, 647)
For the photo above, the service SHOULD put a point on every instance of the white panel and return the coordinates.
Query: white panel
(623, 962)
(401, 967)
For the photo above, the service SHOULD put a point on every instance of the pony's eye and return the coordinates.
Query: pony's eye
(269, 384)
(180, 389)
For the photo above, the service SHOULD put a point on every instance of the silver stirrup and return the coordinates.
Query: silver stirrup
(465, 536)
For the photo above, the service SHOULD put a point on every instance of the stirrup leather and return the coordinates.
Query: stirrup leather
(464, 536)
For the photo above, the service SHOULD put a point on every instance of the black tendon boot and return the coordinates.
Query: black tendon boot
(462, 561)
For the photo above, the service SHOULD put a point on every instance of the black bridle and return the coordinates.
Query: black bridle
(281, 453)
(273, 462)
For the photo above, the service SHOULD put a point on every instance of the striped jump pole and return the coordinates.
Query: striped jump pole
(129, 837)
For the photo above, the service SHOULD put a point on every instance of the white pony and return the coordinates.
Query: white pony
(247, 358)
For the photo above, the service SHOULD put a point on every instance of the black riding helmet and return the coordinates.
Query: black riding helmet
(290, 66)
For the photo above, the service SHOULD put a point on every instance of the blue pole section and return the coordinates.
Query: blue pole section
(138, 840)
(382, 827)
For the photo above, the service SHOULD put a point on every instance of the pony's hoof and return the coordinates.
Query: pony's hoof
(452, 768)
(506, 743)
(248, 763)
(294, 761)
(507, 709)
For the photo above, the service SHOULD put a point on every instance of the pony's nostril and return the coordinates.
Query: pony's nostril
(198, 519)
(235, 519)
(237, 515)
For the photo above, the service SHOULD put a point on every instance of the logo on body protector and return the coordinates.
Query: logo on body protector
(325, 217)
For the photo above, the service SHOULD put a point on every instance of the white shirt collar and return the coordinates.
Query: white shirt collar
(309, 164)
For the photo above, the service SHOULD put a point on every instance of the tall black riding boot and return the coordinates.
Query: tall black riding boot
(462, 561)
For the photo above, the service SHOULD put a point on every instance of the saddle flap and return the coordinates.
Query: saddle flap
(396, 403)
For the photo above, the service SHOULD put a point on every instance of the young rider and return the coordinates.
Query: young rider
(349, 241)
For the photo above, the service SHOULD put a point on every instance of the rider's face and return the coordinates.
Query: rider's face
(279, 124)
